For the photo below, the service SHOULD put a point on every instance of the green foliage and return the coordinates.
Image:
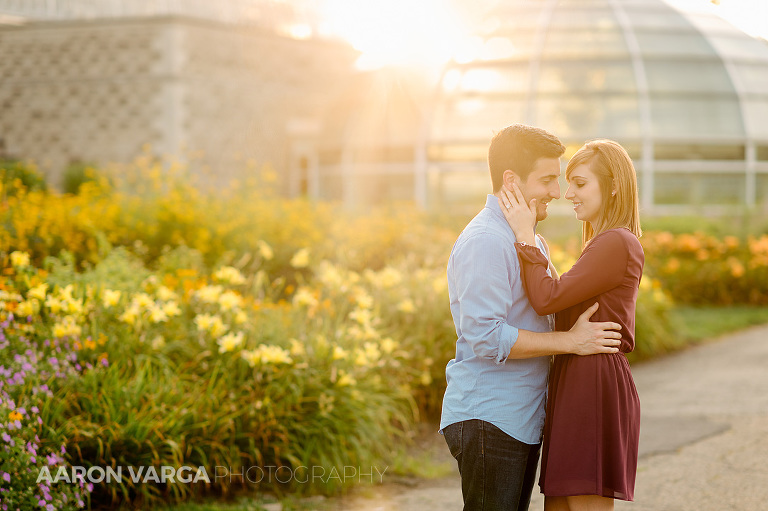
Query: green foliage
(703, 269)
(17, 175)
(77, 174)
(708, 322)
(655, 332)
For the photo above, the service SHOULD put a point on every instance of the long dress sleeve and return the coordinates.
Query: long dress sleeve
(601, 267)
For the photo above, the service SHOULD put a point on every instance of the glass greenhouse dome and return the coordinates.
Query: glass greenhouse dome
(685, 92)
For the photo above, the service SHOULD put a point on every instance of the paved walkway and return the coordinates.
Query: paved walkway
(703, 441)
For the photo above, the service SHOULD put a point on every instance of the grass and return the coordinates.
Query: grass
(708, 322)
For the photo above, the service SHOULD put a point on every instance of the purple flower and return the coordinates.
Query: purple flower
(63, 449)
(6, 437)
(6, 477)
(35, 409)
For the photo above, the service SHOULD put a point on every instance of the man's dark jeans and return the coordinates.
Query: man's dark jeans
(497, 471)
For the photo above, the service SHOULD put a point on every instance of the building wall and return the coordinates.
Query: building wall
(214, 94)
(73, 91)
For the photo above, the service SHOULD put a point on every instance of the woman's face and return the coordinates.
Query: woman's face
(584, 192)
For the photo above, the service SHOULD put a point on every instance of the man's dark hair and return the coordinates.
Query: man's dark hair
(517, 147)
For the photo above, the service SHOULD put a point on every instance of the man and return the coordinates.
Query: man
(493, 409)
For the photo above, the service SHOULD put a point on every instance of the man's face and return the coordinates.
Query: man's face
(542, 184)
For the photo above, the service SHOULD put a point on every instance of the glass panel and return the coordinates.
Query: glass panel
(740, 47)
(712, 24)
(762, 152)
(511, 78)
(752, 77)
(459, 152)
(383, 154)
(521, 39)
(585, 3)
(698, 152)
(497, 48)
(586, 77)
(462, 188)
(687, 188)
(762, 189)
(588, 18)
(509, 19)
(475, 119)
(584, 43)
(697, 116)
(687, 76)
(666, 43)
(657, 19)
(756, 117)
(584, 117)
(332, 187)
(329, 156)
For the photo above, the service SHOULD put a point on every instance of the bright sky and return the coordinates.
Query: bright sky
(401, 32)
(749, 15)
(428, 33)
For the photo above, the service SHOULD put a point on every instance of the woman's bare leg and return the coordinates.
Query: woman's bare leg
(556, 504)
(590, 503)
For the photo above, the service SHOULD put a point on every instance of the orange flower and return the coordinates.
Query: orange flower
(15, 416)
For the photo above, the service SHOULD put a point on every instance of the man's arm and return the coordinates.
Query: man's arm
(584, 338)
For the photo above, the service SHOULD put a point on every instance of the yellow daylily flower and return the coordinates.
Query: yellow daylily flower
(38, 292)
(110, 298)
(19, 259)
(301, 258)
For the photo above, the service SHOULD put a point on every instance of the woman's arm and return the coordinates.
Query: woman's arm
(601, 267)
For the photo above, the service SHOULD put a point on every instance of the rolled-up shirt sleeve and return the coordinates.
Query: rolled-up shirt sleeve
(484, 295)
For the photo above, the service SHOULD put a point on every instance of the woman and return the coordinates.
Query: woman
(593, 412)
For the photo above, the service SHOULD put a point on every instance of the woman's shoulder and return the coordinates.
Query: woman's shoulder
(616, 238)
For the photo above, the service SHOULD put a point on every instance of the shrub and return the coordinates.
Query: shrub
(16, 175)
(78, 174)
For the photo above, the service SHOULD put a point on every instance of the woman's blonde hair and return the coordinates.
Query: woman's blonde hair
(611, 164)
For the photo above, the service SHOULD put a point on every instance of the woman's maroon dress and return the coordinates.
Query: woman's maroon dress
(592, 427)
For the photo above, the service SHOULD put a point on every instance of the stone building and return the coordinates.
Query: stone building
(101, 88)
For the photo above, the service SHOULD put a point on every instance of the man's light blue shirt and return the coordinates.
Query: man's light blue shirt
(489, 305)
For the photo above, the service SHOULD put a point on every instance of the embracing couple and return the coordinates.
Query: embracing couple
(507, 399)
